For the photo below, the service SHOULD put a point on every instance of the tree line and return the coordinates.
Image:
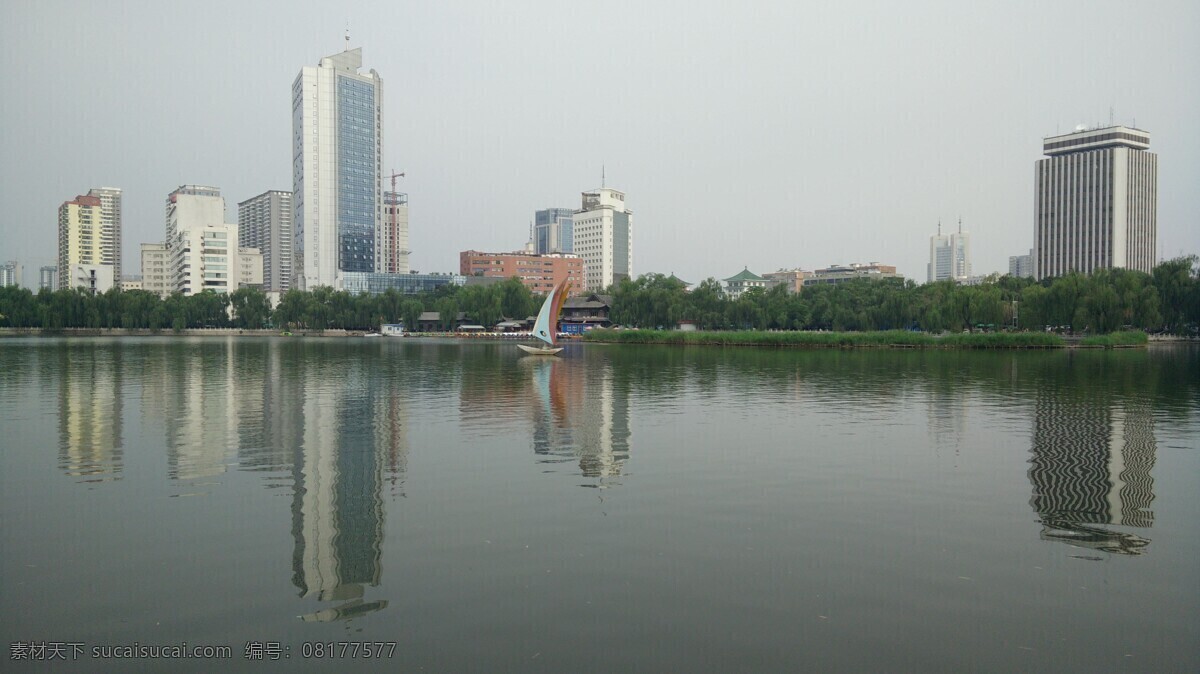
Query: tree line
(1167, 299)
(249, 308)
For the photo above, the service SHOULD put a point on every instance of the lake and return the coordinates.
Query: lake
(620, 508)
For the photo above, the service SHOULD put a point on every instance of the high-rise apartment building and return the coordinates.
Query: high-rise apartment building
(337, 140)
(553, 230)
(87, 234)
(603, 237)
(1096, 205)
(110, 226)
(949, 255)
(265, 223)
(392, 244)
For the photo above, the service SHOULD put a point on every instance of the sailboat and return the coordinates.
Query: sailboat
(545, 327)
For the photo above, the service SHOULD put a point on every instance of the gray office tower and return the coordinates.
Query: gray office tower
(1096, 202)
(265, 223)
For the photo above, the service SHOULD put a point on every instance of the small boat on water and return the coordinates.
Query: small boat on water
(545, 328)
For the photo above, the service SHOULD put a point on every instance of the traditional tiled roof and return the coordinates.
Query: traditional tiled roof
(746, 275)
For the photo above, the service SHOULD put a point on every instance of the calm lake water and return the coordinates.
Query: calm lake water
(621, 508)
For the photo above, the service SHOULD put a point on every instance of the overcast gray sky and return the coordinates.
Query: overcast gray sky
(767, 134)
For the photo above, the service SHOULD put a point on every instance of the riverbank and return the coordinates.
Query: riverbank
(894, 339)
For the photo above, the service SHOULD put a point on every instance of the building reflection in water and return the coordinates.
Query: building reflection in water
(1091, 467)
(90, 411)
(581, 413)
(352, 434)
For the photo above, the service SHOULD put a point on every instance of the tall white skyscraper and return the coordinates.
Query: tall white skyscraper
(1096, 204)
(603, 237)
(337, 140)
(949, 255)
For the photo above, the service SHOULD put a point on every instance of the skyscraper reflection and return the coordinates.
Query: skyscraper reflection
(1091, 467)
(90, 411)
(337, 510)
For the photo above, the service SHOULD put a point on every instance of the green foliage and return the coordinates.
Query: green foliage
(884, 338)
(1116, 339)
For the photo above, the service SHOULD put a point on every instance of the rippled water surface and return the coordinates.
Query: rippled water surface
(615, 509)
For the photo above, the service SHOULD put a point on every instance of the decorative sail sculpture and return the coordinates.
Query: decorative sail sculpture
(545, 327)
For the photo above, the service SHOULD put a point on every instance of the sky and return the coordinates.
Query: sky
(761, 134)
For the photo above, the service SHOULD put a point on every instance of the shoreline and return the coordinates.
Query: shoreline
(892, 339)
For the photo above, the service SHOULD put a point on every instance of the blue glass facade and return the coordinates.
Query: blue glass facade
(356, 175)
(554, 230)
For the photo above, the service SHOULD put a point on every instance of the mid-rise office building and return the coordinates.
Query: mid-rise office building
(1096, 205)
(793, 279)
(553, 230)
(130, 283)
(265, 223)
(10, 273)
(337, 140)
(539, 273)
(1021, 266)
(949, 255)
(603, 237)
(359, 282)
(856, 270)
(156, 276)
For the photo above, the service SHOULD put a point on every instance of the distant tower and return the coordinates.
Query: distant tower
(1096, 205)
(337, 122)
(553, 230)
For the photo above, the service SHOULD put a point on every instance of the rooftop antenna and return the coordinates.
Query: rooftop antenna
(939, 226)
(602, 176)
(347, 34)
(960, 224)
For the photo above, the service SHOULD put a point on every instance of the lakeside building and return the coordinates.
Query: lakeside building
(202, 249)
(843, 273)
(10, 273)
(602, 235)
(1096, 202)
(949, 255)
(155, 271)
(357, 283)
(554, 230)
(538, 272)
(337, 122)
(793, 279)
(48, 278)
(265, 224)
(1021, 266)
(392, 252)
(89, 233)
(741, 282)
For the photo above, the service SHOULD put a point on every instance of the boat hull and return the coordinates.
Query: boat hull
(540, 351)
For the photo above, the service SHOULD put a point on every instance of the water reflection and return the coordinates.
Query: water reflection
(89, 412)
(580, 413)
(1091, 466)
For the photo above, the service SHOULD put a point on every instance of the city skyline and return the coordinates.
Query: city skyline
(842, 134)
